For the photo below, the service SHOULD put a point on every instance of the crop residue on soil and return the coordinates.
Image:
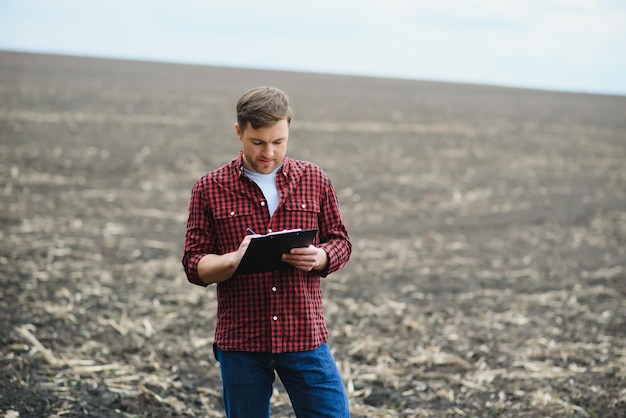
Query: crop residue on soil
(488, 224)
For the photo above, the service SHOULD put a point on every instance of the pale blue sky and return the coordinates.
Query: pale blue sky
(572, 45)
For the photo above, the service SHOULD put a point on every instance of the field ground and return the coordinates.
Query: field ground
(488, 224)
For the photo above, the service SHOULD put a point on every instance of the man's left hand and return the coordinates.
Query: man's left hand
(307, 258)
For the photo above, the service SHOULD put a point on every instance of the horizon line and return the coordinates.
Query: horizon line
(304, 71)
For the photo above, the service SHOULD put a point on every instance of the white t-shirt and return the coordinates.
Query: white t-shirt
(267, 184)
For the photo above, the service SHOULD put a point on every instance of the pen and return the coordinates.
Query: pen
(251, 232)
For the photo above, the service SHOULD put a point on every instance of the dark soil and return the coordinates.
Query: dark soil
(488, 224)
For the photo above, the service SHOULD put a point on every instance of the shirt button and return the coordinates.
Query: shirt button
(269, 230)
(303, 206)
(273, 288)
(263, 203)
(275, 318)
(232, 213)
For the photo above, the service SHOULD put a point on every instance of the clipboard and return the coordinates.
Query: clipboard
(265, 252)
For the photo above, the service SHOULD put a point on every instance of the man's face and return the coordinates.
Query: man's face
(264, 148)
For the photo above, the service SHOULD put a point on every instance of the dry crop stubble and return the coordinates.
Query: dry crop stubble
(488, 224)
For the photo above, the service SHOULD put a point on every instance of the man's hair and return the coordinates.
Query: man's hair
(263, 106)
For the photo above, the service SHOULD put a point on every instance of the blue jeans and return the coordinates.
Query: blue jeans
(311, 379)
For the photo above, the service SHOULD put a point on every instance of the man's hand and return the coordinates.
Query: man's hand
(307, 258)
(243, 247)
(214, 268)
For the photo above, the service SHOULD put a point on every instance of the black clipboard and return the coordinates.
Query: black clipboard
(265, 251)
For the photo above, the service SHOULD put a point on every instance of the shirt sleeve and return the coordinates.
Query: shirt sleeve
(334, 237)
(199, 239)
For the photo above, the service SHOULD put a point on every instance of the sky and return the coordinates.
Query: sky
(565, 45)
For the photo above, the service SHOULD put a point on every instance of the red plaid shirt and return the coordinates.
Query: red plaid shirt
(270, 312)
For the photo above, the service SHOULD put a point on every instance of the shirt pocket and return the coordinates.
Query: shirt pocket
(231, 222)
(303, 213)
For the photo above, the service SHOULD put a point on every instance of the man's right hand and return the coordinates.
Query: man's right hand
(213, 268)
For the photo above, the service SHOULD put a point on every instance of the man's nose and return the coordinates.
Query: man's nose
(268, 150)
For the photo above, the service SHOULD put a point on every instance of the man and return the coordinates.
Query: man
(268, 322)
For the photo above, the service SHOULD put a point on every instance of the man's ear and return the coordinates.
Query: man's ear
(239, 131)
